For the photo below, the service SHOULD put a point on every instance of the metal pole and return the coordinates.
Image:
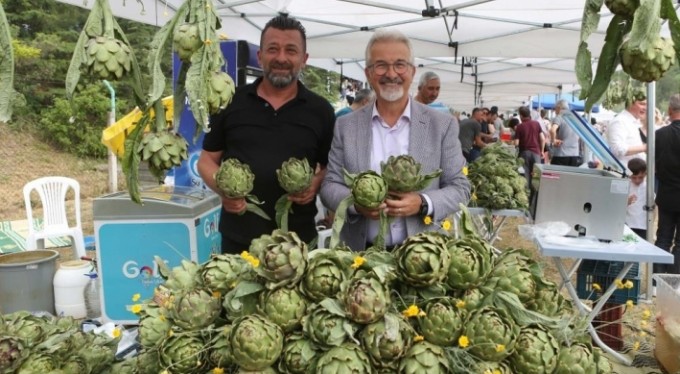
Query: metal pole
(113, 161)
(649, 202)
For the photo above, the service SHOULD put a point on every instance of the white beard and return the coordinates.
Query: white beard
(391, 94)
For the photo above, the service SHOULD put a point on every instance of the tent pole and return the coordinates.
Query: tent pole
(649, 205)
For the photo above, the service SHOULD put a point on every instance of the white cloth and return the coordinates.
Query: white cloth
(636, 217)
(623, 132)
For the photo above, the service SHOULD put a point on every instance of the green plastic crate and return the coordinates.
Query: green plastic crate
(604, 273)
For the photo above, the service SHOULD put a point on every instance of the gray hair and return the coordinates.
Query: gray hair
(426, 77)
(382, 35)
(562, 104)
(363, 94)
(674, 103)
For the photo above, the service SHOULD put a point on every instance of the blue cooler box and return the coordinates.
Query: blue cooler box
(174, 223)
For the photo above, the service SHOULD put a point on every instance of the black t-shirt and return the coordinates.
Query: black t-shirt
(255, 134)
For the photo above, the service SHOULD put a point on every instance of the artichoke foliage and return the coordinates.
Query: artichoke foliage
(295, 175)
(283, 306)
(471, 262)
(256, 342)
(107, 58)
(424, 357)
(624, 8)
(442, 323)
(402, 174)
(184, 277)
(387, 341)
(547, 299)
(366, 299)
(234, 178)
(185, 353)
(647, 62)
(346, 358)
(221, 89)
(40, 362)
(29, 329)
(153, 326)
(514, 272)
(326, 272)
(602, 363)
(11, 353)
(423, 259)
(299, 355)
(368, 188)
(222, 272)
(238, 302)
(495, 183)
(576, 358)
(492, 334)
(186, 40)
(536, 351)
(195, 309)
(327, 326)
(163, 150)
(220, 355)
(283, 261)
(494, 367)
(473, 298)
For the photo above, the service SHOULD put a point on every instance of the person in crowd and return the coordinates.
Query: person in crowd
(428, 91)
(530, 141)
(470, 136)
(363, 97)
(350, 96)
(659, 122)
(667, 164)
(497, 122)
(268, 122)
(545, 128)
(636, 215)
(487, 128)
(395, 125)
(623, 132)
(512, 126)
(565, 147)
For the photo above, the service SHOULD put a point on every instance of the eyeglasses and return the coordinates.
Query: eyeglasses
(380, 68)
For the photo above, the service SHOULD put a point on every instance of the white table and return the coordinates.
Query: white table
(489, 230)
(590, 249)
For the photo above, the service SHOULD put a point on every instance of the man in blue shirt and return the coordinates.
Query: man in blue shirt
(428, 91)
(362, 97)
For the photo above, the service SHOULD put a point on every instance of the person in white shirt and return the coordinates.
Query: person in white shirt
(636, 215)
(623, 132)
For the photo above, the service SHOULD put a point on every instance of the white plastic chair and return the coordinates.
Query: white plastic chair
(52, 192)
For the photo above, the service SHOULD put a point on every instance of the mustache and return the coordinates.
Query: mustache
(280, 65)
(385, 80)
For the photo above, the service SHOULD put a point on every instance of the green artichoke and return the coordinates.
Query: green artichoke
(98, 351)
(402, 174)
(647, 62)
(442, 323)
(236, 304)
(148, 362)
(424, 357)
(183, 353)
(107, 58)
(473, 298)
(39, 362)
(423, 259)
(602, 362)
(624, 8)
(283, 306)
(295, 175)
(284, 261)
(222, 272)
(184, 277)
(220, 91)
(75, 364)
(220, 349)
(12, 354)
(369, 189)
(256, 342)
(536, 351)
(547, 299)
(386, 341)
(492, 334)
(195, 309)
(366, 299)
(299, 355)
(186, 40)
(471, 262)
(269, 370)
(325, 273)
(163, 150)
(153, 326)
(514, 272)
(346, 358)
(409, 295)
(326, 325)
(27, 327)
(259, 245)
(577, 358)
(234, 178)
(494, 367)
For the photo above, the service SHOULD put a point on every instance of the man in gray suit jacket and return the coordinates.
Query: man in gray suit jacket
(393, 125)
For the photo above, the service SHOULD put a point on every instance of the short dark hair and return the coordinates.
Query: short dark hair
(285, 22)
(637, 166)
(363, 94)
(494, 109)
(524, 112)
(513, 122)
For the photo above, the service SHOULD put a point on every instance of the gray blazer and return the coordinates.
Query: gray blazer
(433, 141)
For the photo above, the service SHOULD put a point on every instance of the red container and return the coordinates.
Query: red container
(609, 327)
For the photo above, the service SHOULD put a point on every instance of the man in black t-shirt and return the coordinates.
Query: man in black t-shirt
(268, 122)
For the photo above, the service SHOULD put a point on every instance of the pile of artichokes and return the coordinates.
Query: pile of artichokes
(495, 180)
(434, 305)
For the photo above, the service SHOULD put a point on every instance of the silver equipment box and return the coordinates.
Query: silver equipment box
(592, 201)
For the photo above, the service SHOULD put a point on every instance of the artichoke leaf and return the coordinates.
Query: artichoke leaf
(132, 158)
(245, 288)
(591, 18)
(646, 24)
(135, 70)
(7, 68)
(333, 306)
(510, 302)
(668, 12)
(427, 179)
(349, 178)
(339, 220)
(584, 69)
(283, 208)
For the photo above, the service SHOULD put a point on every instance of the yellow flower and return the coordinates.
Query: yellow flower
(643, 323)
(496, 371)
(500, 347)
(161, 317)
(171, 333)
(418, 338)
(446, 225)
(427, 220)
(628, 284)
(218, 371)
(460, 304)
(250, 259)
(421, 313)
(488, 371)
(358, 261)
(136, 297)
(618, 283)
(116, 332)
(207, 42)
(465, 170)
(165, 372)
(473, 197)
(646, 314)
(411, 311)
(597, 287)
(629, 303)
(643, 334)
(136, 309)
(463, 341)
(217, 294)
(636, 346)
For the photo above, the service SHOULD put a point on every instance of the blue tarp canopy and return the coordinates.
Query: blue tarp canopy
(548, 102)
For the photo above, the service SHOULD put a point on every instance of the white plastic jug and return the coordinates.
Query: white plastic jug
(69, 284)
